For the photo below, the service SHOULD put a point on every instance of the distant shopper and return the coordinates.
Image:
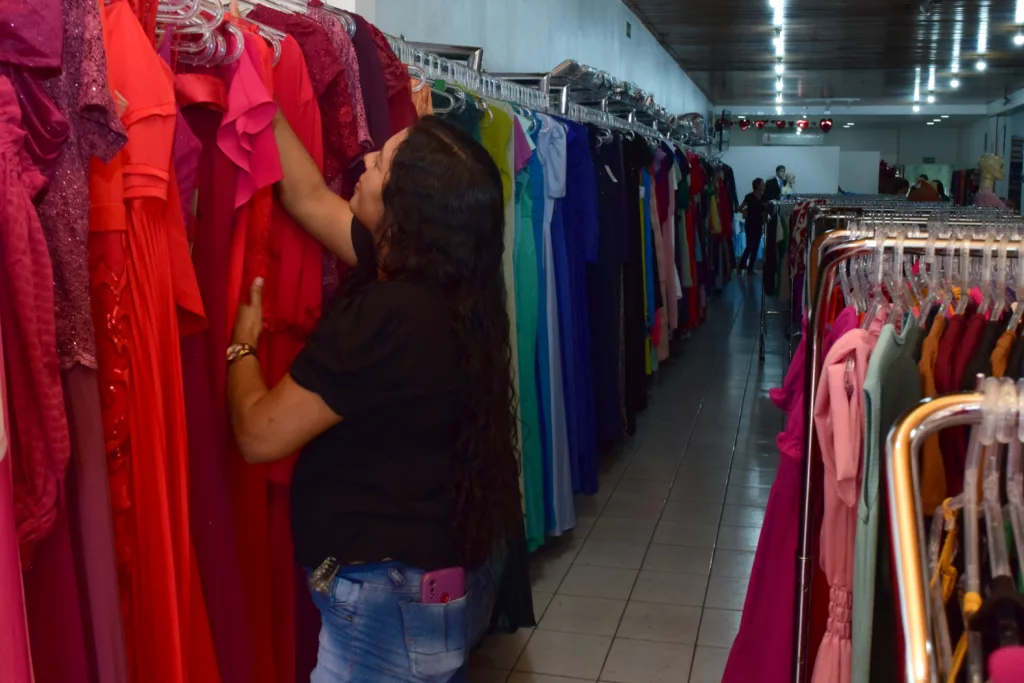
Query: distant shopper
(941, 189)
(753, 209)
(773, 188)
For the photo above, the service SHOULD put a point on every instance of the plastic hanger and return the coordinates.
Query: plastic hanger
(1015, 481)
(930, 274)
(965, 275)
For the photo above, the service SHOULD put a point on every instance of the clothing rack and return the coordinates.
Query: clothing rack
(902, 446)
(430, 59)
(829, 250)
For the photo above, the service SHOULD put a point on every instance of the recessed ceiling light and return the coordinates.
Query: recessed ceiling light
(929, 123)
(931, 99)
(944, 116)
(850, 124)
(981, 65)
(1018, 39)
(780, 68)
(936, 120)
(955, 83)
(917, 108)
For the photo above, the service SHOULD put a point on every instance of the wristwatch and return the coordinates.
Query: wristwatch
(237, 352)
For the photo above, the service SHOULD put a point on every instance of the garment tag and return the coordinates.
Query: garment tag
(611, 175)
(120, 103)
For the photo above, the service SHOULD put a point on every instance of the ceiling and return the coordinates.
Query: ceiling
(865, 51)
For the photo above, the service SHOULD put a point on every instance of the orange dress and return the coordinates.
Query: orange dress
(144, 295)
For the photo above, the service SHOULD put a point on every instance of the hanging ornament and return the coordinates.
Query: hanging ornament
(802, 124)
(744, 124)
(780, 124)
(759, 124)
(825, 125)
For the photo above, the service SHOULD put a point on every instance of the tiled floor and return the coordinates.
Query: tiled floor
(648, 588)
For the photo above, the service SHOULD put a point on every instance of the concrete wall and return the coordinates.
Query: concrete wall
(537, 35)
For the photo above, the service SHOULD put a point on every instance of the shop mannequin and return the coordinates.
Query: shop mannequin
(991, 169)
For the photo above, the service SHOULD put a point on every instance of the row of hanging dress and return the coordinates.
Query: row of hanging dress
(138, 205)
(596, 285)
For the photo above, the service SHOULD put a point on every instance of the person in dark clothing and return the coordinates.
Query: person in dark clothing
(773, 188)
(754, 208)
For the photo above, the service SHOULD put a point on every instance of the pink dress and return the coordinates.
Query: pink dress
(839, 420)
(763, 649)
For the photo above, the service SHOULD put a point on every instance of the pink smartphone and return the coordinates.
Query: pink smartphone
(443, 586)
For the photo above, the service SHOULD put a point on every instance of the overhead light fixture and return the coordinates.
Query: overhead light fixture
(944, 116)
(778, 110)
(1018, 15)
(931, 77)
(981, 65)
(1018, 39)
(850, 124)
(780, 68)
(917, 108)
(778, 98)
(780, 43)
(931, 99)
(955, 83)
(936, 120)
(777, 17)
(929, 123)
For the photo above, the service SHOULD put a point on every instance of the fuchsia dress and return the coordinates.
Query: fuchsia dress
(763, 649)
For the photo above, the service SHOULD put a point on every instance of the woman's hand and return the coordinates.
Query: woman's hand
(249, 321)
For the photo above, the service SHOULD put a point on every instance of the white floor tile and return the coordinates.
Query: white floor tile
(622, 505)
(660, 622)
(692, 512)
(734, 564)
(726, 593)
(683, 533)
(598, 582)
(592, 616)
(670, 588)
(487, 676)
(680, 559)
(738, 538)
(500, 651)
(708, 664)
(522, 677)
(636, 530)
(540, 603)
(640, 661)
(573, 655)
(741, 515)
(645, 488)
(616, 554)
(718, 627)
(545, 575)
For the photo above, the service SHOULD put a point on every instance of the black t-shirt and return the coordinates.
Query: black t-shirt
(755, 211)
(379, 484)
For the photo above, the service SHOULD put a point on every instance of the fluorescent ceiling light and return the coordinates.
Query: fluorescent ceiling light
(1018, 39)
(931, 77)
(917, 108)
(955, 83)
(981, 65)
(1018, 15)
(929, 123)
(780, 68)
(944, 116)
(931, 99)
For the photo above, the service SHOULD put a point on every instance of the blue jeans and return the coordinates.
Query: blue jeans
(376, 630)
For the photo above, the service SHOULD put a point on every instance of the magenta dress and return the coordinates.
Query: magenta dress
(763, 649)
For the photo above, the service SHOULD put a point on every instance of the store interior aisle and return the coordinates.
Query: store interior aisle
(649, 586)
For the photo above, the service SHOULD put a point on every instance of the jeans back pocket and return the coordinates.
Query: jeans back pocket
(435, 636)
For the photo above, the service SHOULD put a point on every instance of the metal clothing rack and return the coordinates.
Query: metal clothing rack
(829, 250)
(904, 488)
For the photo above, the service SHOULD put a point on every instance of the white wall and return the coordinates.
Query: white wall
(537, 35)
(858, 171)
(816, 168)
(898, 144)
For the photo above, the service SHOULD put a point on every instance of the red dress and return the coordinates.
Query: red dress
(144, 295)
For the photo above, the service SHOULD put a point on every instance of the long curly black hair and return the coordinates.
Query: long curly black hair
(444, 216)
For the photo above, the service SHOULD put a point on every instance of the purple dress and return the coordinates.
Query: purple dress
(763, 649)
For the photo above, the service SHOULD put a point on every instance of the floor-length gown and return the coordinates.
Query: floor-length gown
(144, 295)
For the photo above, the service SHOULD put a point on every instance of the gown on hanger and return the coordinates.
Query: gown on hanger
(145, 294)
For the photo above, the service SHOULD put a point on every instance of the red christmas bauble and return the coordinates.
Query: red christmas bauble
(802, 124)
(744, 124)
(780, 124)
(825, 125)
(759, 124)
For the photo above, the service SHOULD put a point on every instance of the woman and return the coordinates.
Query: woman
(753, 208)
(401, 405)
